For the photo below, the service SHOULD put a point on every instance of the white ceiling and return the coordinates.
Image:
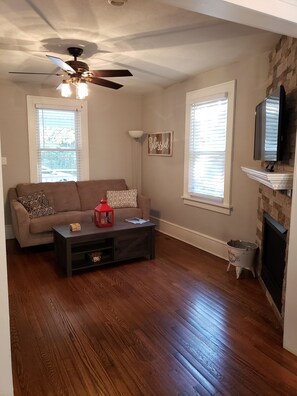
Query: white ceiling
(159, 43)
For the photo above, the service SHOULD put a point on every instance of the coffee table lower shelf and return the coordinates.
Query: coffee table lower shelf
(122, 241)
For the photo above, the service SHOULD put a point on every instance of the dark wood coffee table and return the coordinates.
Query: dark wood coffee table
(122, 241)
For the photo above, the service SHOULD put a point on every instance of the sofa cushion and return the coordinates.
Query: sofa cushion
(122, 199)
(87, 216)
(62, 196)
(36, 204)
(92, 191)
(45, 224)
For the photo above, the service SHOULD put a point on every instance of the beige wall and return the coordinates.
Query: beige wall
(290, 318)
(163, 176)
(110, 113)
(113, 113)
(6, 386)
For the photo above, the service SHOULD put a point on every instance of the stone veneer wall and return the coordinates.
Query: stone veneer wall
(282, 71)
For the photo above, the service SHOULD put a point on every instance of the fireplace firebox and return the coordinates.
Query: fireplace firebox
(273, 258)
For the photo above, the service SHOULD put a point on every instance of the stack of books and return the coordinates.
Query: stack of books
(136, 220)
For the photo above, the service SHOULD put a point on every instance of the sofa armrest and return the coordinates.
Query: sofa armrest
(20, 221)
(144, 203)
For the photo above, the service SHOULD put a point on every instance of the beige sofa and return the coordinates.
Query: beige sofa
(73, 202)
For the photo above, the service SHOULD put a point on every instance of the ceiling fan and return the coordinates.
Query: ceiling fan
(78, 74)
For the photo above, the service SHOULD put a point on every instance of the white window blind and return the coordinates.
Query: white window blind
(58, 141)
(207, 147)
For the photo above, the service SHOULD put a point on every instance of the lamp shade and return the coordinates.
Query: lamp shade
(136, 134)
(81, 90)
(65, 89)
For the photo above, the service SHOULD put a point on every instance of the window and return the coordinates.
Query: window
(208, 147)
(58, 139)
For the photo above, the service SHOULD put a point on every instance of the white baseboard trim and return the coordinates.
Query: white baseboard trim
(194, 238)
(9, 234)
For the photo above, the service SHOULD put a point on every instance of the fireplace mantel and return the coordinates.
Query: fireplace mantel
(277, 180)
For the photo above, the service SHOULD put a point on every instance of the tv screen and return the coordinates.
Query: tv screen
(270, 127)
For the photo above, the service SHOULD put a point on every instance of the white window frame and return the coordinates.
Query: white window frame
(34, 102)
(202, 95)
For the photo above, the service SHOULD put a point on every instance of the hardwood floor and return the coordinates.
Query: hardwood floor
(176, 325)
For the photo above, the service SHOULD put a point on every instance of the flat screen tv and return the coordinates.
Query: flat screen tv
(270, 127)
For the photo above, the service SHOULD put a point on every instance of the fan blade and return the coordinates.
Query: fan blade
(104, 83)
(45, 74)
(110, 73)
(62, 65)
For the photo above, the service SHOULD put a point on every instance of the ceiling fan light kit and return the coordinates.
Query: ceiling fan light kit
(81, 88)
(79, 75)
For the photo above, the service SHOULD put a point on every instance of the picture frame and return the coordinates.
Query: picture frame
(160, 143)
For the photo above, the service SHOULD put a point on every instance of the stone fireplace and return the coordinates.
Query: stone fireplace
(275, 200)
(277, 203)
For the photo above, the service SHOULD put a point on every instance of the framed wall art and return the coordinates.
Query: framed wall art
(160, 143)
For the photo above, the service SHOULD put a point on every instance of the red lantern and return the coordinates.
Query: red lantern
(103, 215)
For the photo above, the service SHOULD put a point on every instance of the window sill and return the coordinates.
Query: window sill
(214, 207)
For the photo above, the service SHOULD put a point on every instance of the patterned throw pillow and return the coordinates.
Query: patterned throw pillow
(36, 204)
(122, 199)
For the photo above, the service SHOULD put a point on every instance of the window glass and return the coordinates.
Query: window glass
(58, 139)
(208, 148)
(58, 142)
